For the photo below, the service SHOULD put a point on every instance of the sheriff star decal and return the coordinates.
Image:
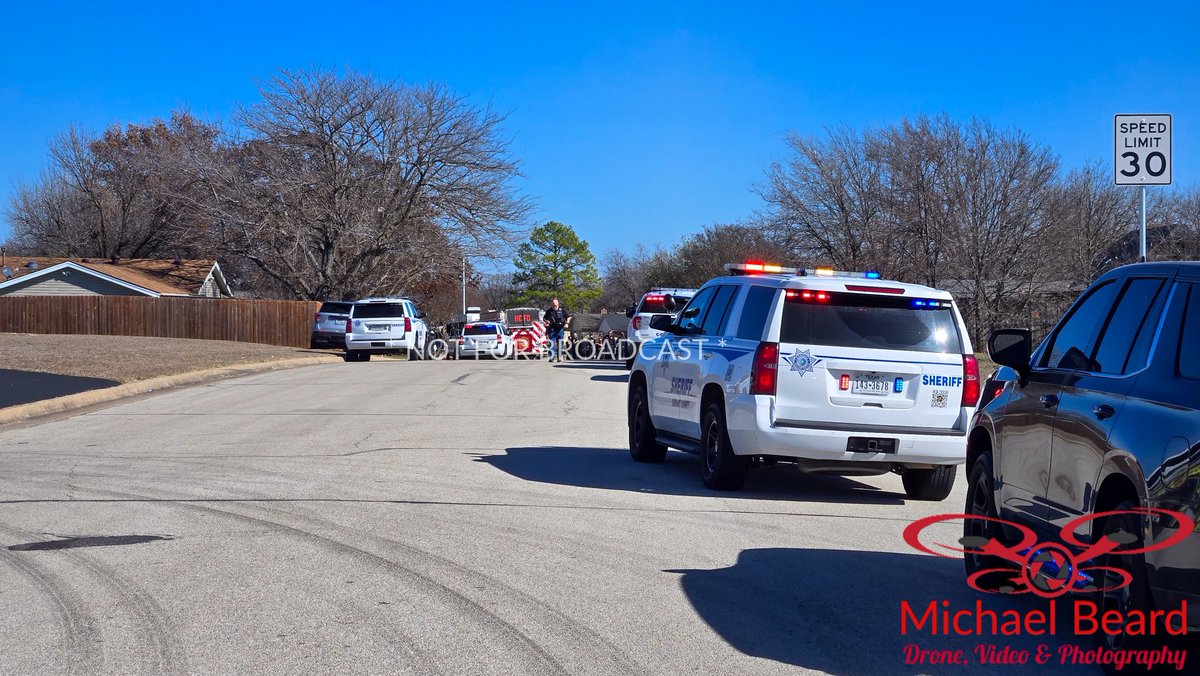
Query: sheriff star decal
(801, 361)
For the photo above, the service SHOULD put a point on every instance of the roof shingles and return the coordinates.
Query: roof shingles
(182, 278)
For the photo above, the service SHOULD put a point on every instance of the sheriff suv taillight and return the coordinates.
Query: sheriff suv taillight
(970, 380)
(407, 325)
(637, 323)
(349, 325)
(765, 372)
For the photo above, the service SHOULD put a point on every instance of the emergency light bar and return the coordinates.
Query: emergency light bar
(830, 272)
(758, 268)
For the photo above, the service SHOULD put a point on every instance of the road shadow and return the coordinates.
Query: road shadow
(839, 611)
(616, 378)
(678, 474)
(93, 541)
(23, 387)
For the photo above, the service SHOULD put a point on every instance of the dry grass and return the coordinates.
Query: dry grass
(129, 358)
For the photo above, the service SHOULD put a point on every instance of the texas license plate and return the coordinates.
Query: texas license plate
(379, 327)
(871, 383)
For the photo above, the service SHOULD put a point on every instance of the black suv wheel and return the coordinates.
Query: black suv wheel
(1126, 530)
(981, 502)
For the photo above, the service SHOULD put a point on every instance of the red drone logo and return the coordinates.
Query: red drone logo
(1048, 569)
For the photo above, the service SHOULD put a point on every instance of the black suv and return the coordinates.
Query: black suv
(1103, 416)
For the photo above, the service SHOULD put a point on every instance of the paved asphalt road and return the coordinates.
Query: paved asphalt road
(438, 517)
(22, 387)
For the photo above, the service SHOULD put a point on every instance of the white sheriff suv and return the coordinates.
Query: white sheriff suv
(841, 373)
(657, 302)
(385, 326)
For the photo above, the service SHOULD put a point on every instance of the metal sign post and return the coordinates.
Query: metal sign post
(1142, 156)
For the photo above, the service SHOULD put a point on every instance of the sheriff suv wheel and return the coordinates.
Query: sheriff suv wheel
(719, 467)
(643, 445)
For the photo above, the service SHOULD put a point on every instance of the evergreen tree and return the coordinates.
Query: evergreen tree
(556, 263)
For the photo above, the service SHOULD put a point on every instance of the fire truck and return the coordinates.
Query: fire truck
(528, 331)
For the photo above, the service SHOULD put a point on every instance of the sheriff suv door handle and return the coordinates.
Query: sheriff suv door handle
(1103, 411)
(1049, 400)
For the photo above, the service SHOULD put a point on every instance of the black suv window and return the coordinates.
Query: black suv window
(1072, 345)
(693, 315)
(714, 320)
(759, 300)
(1126, 341)
(1189, 339)
(378, 310)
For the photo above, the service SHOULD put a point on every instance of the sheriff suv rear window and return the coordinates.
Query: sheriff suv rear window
(378, 310)
(872, 322)
(657, 303)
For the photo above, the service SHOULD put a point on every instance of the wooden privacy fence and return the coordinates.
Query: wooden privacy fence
(274, 322)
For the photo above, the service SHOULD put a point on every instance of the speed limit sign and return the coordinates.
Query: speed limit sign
(1142, 149)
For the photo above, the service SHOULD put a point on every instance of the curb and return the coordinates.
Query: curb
(36, 409)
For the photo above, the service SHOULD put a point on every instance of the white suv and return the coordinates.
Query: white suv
(383, 326)
(655, 303)
(833, 372)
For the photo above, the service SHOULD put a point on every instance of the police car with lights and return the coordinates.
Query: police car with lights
(657, 302)
(489, 339)
(841, 373)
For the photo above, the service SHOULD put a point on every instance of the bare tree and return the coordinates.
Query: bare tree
(1087, 216)
(826, 201)
(929, 200)
(998, 197)
(626, 275)
(918, 156)
(111, 195)
(349, 186)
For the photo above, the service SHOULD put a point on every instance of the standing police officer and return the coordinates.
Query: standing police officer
(557, 320)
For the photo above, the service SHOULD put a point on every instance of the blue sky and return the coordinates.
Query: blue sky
(635, 121)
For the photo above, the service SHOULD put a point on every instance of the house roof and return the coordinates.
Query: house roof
(159, 276)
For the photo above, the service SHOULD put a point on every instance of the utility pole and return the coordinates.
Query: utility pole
(464, 285)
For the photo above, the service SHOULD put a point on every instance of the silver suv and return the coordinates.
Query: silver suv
(385, 326)
(329, 325)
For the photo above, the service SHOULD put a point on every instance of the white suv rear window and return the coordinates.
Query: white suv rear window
(378, 310)
(873, 322)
